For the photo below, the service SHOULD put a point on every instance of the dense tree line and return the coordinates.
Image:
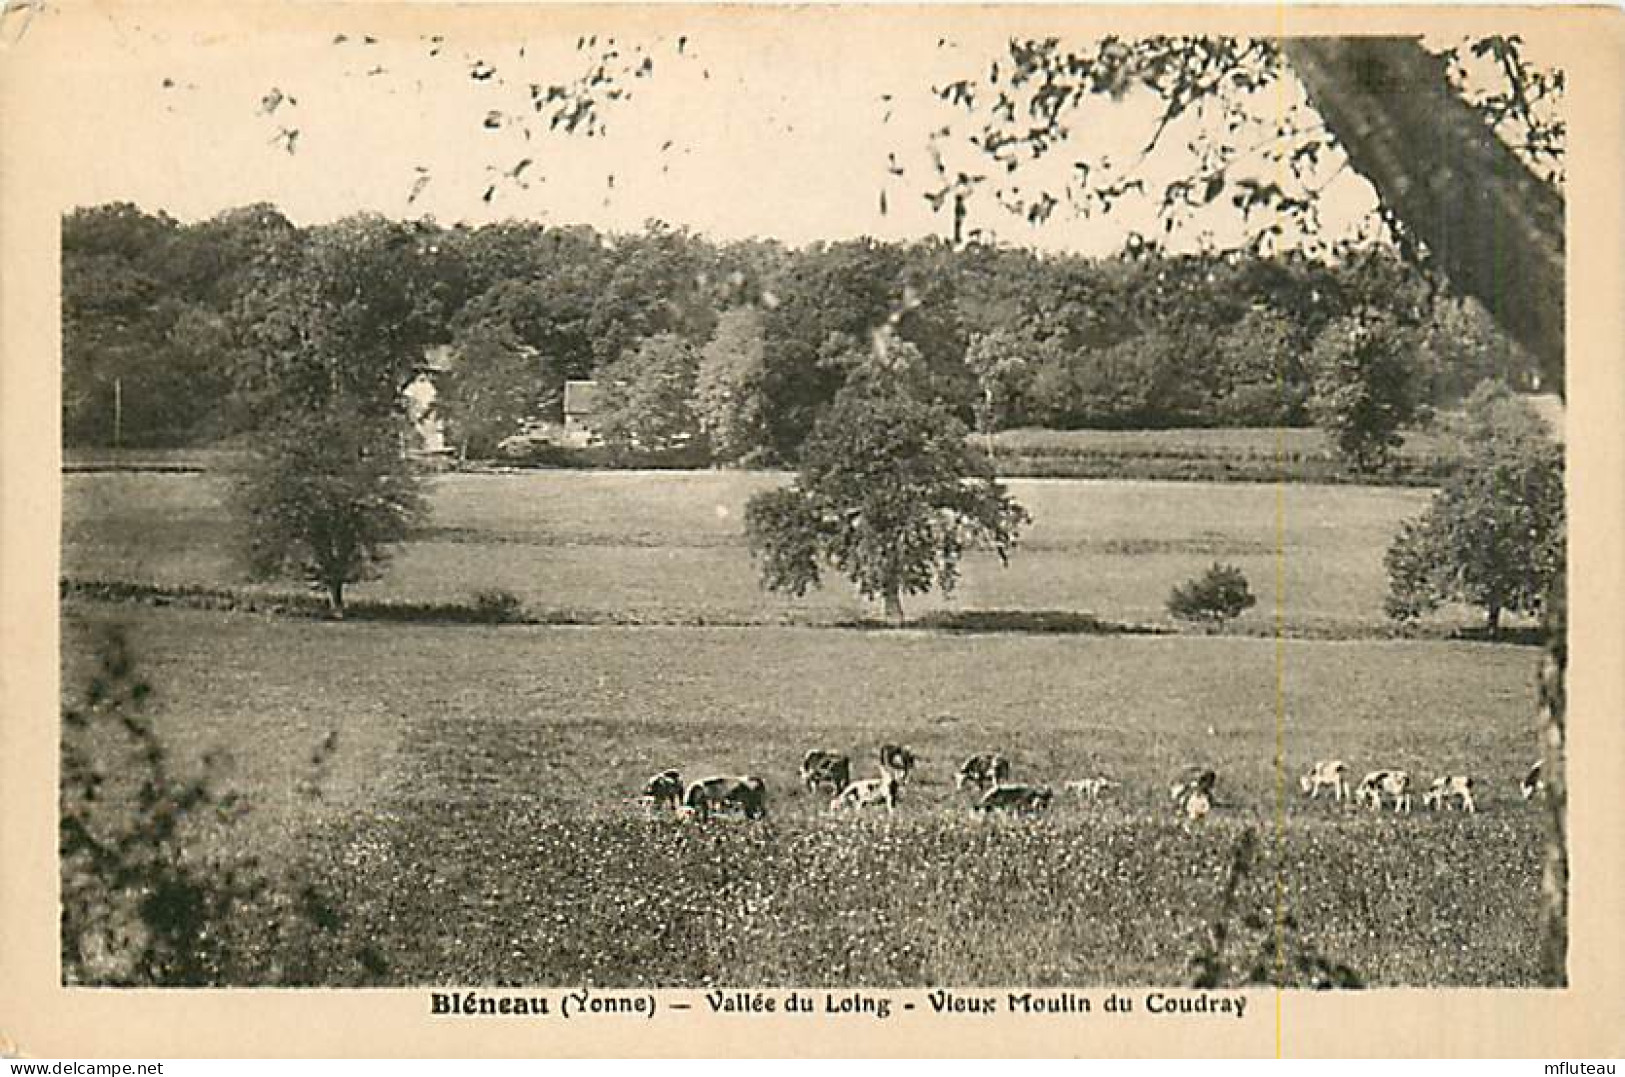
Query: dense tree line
(172, 331)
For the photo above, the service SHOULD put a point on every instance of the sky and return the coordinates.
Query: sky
(788, 123)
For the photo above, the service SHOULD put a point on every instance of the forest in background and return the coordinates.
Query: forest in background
(740, 346)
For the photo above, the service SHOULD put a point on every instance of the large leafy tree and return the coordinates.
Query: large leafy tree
(1493, 536)
(658, 282)
(493, 384)
(1468, 173)
(646, 400)
(1003, 361)
(334, 332)
(324, 498)
(145, 349)
(728, 392)
(825, 304)
(1364, 386)
(1260, 371)
(342, 319)
(890, 496)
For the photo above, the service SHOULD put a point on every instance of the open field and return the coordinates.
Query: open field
(478, 826)
(476, 823)
(1222, 454)
(668, 547)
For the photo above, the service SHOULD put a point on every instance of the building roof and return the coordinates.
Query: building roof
(580, 397)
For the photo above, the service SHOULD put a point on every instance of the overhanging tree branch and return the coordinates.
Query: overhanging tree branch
(1495, 229)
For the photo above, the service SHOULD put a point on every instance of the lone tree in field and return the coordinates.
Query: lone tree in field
(325, 498)
(332, 335)
(1218, 595)
(1494, 535)
(890, 496)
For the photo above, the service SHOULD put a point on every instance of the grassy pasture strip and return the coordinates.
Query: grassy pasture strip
(1244, 454)
(1287, 454)
(1198, 469)
(668, 548)
(574, 715)
(282, 602)
(580, 716)
(478, 822)
(87, 459)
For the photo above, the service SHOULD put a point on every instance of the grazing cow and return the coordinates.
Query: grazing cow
(1091, 788)
(862, 794)
(1533, 784)
(897, 759)
(1197, 805)
(982, 771)
(819, 767)
(1016, 799)
(746, 794)
(1192, 780)
(1380, 783)
(664, 790)
(1327, 774)
(1454, 787)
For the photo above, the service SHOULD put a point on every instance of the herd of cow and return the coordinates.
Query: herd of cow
(988, 774)
(1382, 786)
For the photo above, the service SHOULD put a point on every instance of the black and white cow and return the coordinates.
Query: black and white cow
(1015, 799)
(982, 771)
(896, 759)
(820, 768)
(869, 792)
(1533, 784)
(664, 790)
(1192, 780)
(1457, 787)
(1330, 774)
(746, 794)
(1385, 783)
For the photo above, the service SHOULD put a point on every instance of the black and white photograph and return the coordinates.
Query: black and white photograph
(929, 510)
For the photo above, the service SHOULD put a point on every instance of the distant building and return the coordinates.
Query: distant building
(429, 428)
(578, 430)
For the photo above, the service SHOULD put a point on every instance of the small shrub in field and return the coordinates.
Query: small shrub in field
(1218, 595)
(498, 606)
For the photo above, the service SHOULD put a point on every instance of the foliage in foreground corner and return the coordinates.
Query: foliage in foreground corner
(148, 900)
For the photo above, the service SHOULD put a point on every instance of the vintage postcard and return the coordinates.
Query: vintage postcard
(538, 530)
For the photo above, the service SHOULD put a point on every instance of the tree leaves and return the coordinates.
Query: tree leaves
(1494, 535)
(1022, 108)
(889, 495)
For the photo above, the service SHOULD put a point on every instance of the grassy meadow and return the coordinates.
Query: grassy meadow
(1220, 454)
(668, 547)
(478, 822)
